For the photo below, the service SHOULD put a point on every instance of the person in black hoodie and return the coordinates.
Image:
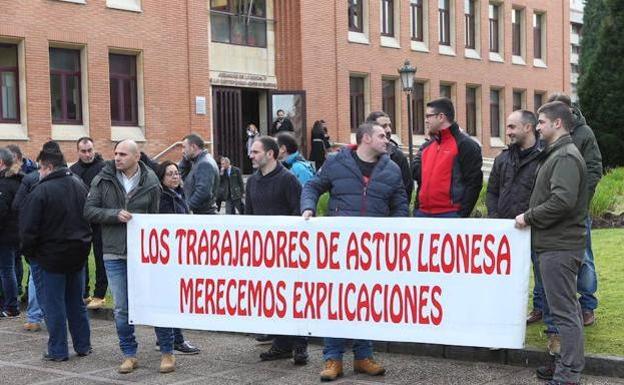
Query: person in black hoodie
(89, 164)
(55, 234)
(273, 190)
(10, 179)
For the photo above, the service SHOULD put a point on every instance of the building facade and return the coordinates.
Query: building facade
(576, 30)
(148, 71)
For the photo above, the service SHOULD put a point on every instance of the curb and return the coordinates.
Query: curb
(595, 364)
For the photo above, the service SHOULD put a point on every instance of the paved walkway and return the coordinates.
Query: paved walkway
(226, 359)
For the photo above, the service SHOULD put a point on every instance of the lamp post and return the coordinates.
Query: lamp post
(407, 73)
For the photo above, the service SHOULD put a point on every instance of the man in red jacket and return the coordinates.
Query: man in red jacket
(447, 167)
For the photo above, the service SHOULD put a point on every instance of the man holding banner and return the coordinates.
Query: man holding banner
(273, 190)
(362, 181)
(556, 214)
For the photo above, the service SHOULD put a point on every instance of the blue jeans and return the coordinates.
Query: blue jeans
(7, 276)
(421, 214)
(335, 347)
(34, 313)
(117, 274)
(61, 297)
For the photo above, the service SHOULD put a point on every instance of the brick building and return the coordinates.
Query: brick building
(153, 72)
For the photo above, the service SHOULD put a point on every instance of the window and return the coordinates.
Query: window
(494, 11)
(516, 31)
(444, 9)
(238, 22)
(123, 90)
(517, 100)
(446, 91)
(9, 84)
(577, 28)
(495, 112)
(65, 87)
(576, 49)
(356, 15)
(471, 111)
(416, 7)
(470, 20)
(356, 96)
(575, 68)
(538, 100)
(418, 108)
(387, 17)
(388, 101)
(538, 20)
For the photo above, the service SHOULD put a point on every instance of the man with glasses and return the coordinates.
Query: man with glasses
(396, 155)
(447, 168)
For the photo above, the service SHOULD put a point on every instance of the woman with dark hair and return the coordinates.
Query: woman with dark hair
(317, 151)
(172, 201)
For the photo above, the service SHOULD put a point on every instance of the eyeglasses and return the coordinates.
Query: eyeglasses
(172, 173)
(427, 116)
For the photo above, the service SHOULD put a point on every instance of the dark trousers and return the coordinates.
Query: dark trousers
(233, 205)
(60, 296)
(559, 270)
(7, 278)
(289, 342)
(101, 283)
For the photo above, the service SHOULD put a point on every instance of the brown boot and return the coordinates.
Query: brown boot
(368, 366)
(333, 370)
(167, 363)
(128, 365)
(32, 326)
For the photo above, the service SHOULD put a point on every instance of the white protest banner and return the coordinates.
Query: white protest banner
(442, 281)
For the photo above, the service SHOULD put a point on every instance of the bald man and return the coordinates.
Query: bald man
(124, 187)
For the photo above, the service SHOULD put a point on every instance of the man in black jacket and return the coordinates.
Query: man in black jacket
(55, 234)
(281, 124)
(396, 155)
(511, 181)
(10, 179)
(231, 187)
(90, 164)
(273, 190)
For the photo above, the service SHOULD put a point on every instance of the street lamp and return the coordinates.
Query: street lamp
(407, 73)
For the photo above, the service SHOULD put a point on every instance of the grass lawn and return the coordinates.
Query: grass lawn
(606, 336)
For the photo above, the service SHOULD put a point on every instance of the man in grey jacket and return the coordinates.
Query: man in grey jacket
(123, 188)
(201, 176)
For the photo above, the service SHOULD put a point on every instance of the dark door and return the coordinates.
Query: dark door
(227, 123)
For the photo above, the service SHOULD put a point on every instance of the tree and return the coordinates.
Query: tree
(601, 83)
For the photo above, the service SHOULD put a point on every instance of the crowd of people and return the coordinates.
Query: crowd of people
(55, 215)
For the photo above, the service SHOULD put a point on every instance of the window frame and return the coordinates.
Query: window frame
(387, 18)
(517, 18)
(357, 103)
(538, 31)
(356, 15)
(470, 24)
(227, 12)
(418, 108)
(417, 30)
(121, 79)
(519, 93)
(16, 74)
(494, 27)
(64, 74)
(474, 117)
(444, 23)
(389, 103)
(495, 113)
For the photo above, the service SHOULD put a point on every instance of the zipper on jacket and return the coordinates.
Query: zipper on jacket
(364, 196)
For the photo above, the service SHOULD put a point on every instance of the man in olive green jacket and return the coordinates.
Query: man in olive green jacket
(585, 141)
(556, 214)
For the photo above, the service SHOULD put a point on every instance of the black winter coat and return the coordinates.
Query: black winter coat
(88, 171)
(10, 180)
(350, 195)
(173, 202)
(398, 157)
(511, 181)
(276, 193)
(52, 228)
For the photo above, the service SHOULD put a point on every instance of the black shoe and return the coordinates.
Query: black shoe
(301, 355)
(548, 371)
(264, 338)
(48, 357)
(84, 354)
(9, 314)
(186, 348)
(275, 354)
